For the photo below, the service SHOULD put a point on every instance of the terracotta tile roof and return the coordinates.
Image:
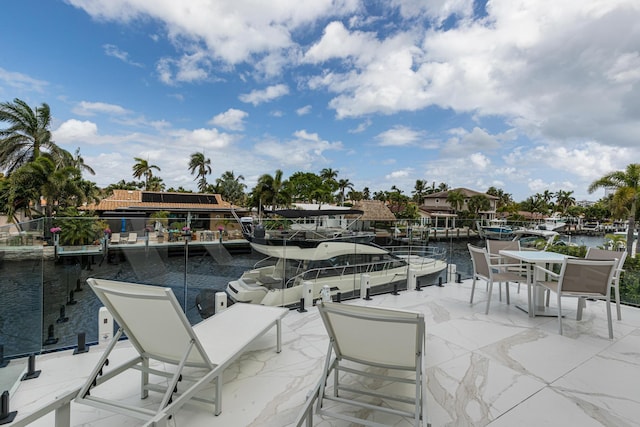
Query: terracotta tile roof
(133, 200)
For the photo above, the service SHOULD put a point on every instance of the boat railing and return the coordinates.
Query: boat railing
(427, 252)
(342, 270)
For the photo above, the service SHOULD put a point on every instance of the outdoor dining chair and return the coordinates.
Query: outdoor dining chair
(580, 278)
(620, 257)
(483, 269)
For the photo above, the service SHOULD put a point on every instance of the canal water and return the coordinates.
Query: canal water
(45, 304)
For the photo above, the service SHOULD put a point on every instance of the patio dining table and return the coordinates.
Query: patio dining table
(531, 259)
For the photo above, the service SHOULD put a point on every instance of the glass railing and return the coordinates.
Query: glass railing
(46, 302)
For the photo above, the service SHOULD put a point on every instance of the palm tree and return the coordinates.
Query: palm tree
(478, 203)
(76, 161)
(230, 187)
(143, 168)
(565, 200)
(329, 176)
(625, 199)
(201, 167)
(343, 184)
(547, 197)
(271, 190)
(27, 135)
(419, 191)
(455, 199)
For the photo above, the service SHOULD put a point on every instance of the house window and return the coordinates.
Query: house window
(437, 200)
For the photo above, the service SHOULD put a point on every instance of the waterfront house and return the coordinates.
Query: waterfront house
(436, 206)
(132, 210)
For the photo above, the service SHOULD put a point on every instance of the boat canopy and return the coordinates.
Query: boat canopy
(304, 213)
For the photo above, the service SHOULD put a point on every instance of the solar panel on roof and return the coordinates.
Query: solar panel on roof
(205, 199)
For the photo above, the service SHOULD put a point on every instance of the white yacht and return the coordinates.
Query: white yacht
(553, 223)
(537, 239)
(278, 279)
(496, 229)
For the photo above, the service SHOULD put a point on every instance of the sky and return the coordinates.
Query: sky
(522, 95)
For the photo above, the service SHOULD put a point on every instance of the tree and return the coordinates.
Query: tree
(271, 190)
(419, 191)
(564, 200)
(329, 176)
(156, 184)
(301, 186)
(201, 167)
(477, 203)
(143, 168)
(366, 193)
(76, 161)
(455, 199)
(27, 135)
(546, 197)
(625, 199)
(343, 184)
(504, 199)
(442, 187)
(122, 185)
(230, 187)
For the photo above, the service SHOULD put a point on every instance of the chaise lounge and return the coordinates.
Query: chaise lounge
(187, 359)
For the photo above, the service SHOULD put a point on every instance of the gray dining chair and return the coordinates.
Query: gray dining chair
(620, 257)
(485, 270)
(580, 278)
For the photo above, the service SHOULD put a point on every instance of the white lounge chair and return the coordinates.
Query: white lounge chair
(372, 344)
(132, 238)
(115, 239)
(158, 330)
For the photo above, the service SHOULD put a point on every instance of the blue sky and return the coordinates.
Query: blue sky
(523, 95)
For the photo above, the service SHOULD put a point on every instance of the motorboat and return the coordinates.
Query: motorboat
(533, 238)
(278, 279)
(496, 229)
(306, 227)
(552, 223)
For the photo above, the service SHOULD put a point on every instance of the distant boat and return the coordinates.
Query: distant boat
(496, 229)
(553, 223)
(535, 238)
(307, 228)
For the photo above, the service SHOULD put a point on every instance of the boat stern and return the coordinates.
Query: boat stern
(242, 290)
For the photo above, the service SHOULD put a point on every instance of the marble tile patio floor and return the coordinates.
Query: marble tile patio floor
(502, 369)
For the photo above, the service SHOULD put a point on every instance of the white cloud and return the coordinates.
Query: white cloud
(400, 136)
(21, 81)
(305, 151)
(202, 138)
(398, 175)
(72, 131)
(86, 108)
(257, 97)
(302, 111)
(231, 31)
(231, 119)
(114, 51)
